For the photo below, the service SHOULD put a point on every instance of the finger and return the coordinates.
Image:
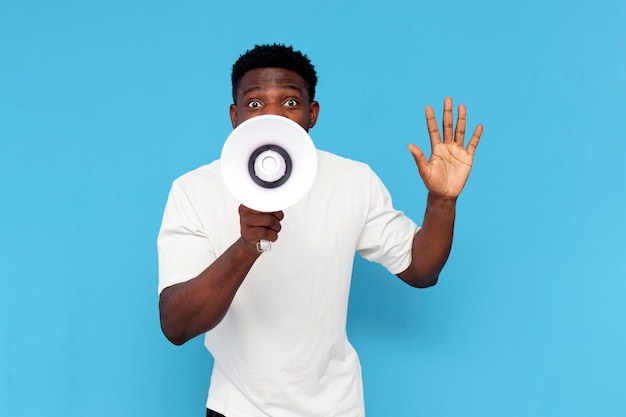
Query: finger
(255, 219)
(459, 132)
(273, 220)
(431, 124)
(256, 234)
(447, 120)
(267, 221)
(244, 210)
(420, 159)
(279, 215)
(473, 143)
(265, 234)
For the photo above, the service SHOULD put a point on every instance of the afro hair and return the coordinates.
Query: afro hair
(274, 56)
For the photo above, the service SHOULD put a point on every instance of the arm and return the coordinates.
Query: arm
(444, 175)
(193, 307)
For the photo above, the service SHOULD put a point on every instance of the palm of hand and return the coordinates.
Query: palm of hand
(448, 170)
(450, 163)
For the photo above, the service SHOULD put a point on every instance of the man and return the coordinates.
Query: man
(275, 322)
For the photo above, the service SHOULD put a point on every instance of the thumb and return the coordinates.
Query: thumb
(420, 159)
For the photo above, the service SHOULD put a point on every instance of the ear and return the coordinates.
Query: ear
(233, 115)
(314, 111)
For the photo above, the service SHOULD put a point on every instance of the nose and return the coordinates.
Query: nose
(275, 108)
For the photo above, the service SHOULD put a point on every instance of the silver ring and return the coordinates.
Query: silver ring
(263, 246)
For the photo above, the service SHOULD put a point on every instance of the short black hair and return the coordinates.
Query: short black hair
(274, 56)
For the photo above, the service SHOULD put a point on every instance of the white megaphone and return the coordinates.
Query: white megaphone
(268, 163)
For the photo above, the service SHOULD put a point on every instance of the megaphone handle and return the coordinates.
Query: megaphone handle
(263, 245)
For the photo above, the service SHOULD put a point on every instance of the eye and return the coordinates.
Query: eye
(253, 104)
(291, 102)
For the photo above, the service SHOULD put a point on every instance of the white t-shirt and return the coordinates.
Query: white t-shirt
(282, 349)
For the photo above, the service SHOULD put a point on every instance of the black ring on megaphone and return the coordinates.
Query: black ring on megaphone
(270, 184)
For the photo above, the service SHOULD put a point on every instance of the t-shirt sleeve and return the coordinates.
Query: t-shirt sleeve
(387, 236)
(184, 248)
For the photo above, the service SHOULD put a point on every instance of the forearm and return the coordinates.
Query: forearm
(191, 308)
(432, 243)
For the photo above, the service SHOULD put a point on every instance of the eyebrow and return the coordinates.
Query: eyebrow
(284, 87)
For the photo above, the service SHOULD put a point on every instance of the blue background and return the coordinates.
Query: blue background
(103, 104)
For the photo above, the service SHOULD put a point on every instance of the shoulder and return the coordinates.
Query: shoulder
(344, 173)
(202, 186)
(329, 162)
(205, 173)
(204, 177)
(345, 180)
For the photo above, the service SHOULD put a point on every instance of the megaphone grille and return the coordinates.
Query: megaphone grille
(269, 166)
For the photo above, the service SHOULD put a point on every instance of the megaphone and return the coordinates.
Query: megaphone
(268, 163)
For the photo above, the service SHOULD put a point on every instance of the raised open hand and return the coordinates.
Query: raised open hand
(448, 168)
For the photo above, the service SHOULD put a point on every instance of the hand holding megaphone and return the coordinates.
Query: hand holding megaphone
(268, 163)
(258, 228)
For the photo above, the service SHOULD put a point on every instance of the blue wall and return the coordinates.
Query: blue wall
(103, 104)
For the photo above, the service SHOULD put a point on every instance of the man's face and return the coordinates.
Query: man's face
(274, 91)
